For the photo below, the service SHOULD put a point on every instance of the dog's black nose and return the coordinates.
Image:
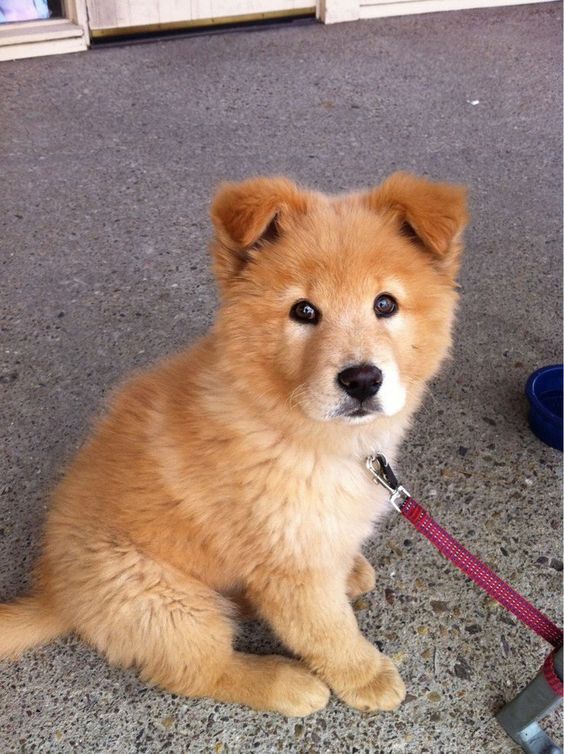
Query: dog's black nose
(361, 381)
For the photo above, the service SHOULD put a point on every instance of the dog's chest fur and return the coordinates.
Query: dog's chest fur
(314, 510)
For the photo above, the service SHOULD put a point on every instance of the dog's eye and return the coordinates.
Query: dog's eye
(303, 311)
(385, 305)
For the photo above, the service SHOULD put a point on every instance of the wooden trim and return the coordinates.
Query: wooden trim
(36, 49)
(408, 7)
(15, 25)
(336, 11)
(174, 25)
(76, 11)
(39, 31)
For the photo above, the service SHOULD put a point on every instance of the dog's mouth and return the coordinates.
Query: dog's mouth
(363, 410)
(358, 412)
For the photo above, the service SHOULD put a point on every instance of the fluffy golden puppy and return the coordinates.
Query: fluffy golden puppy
(235, 470)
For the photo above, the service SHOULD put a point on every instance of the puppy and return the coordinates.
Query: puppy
(235, 470)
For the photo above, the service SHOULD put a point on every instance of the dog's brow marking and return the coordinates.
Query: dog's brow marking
(292, 293)
(395, 287)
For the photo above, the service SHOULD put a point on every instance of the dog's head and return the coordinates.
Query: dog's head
(338, 307)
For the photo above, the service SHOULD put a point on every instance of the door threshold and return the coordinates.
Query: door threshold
(102, 38)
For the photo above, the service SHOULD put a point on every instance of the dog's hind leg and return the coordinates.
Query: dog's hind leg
(179, 633)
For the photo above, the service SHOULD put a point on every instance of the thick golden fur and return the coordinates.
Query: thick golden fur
(225, 475)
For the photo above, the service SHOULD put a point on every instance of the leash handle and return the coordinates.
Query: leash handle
(451, 548)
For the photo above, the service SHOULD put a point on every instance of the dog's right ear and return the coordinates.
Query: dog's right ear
(432, 215)
(248, 215)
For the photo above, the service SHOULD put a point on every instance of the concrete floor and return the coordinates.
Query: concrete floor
(108, 161)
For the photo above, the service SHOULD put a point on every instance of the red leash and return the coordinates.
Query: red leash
(451, 548)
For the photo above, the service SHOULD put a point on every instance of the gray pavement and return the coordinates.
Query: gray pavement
(108, 159)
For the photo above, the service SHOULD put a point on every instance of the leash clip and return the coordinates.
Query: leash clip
(383, 474)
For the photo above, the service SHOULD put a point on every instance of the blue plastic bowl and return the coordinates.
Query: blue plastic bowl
(544, 391)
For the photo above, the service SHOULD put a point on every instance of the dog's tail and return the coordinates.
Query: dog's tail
(26, 622)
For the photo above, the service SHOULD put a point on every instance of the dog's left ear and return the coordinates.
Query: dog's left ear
(430, 214)
(247, 215)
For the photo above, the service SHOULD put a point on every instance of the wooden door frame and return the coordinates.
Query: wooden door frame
(75, 11)
(50, 36)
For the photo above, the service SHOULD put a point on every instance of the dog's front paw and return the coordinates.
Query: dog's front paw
(361, 579)
(297, 692)
(384, 690)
